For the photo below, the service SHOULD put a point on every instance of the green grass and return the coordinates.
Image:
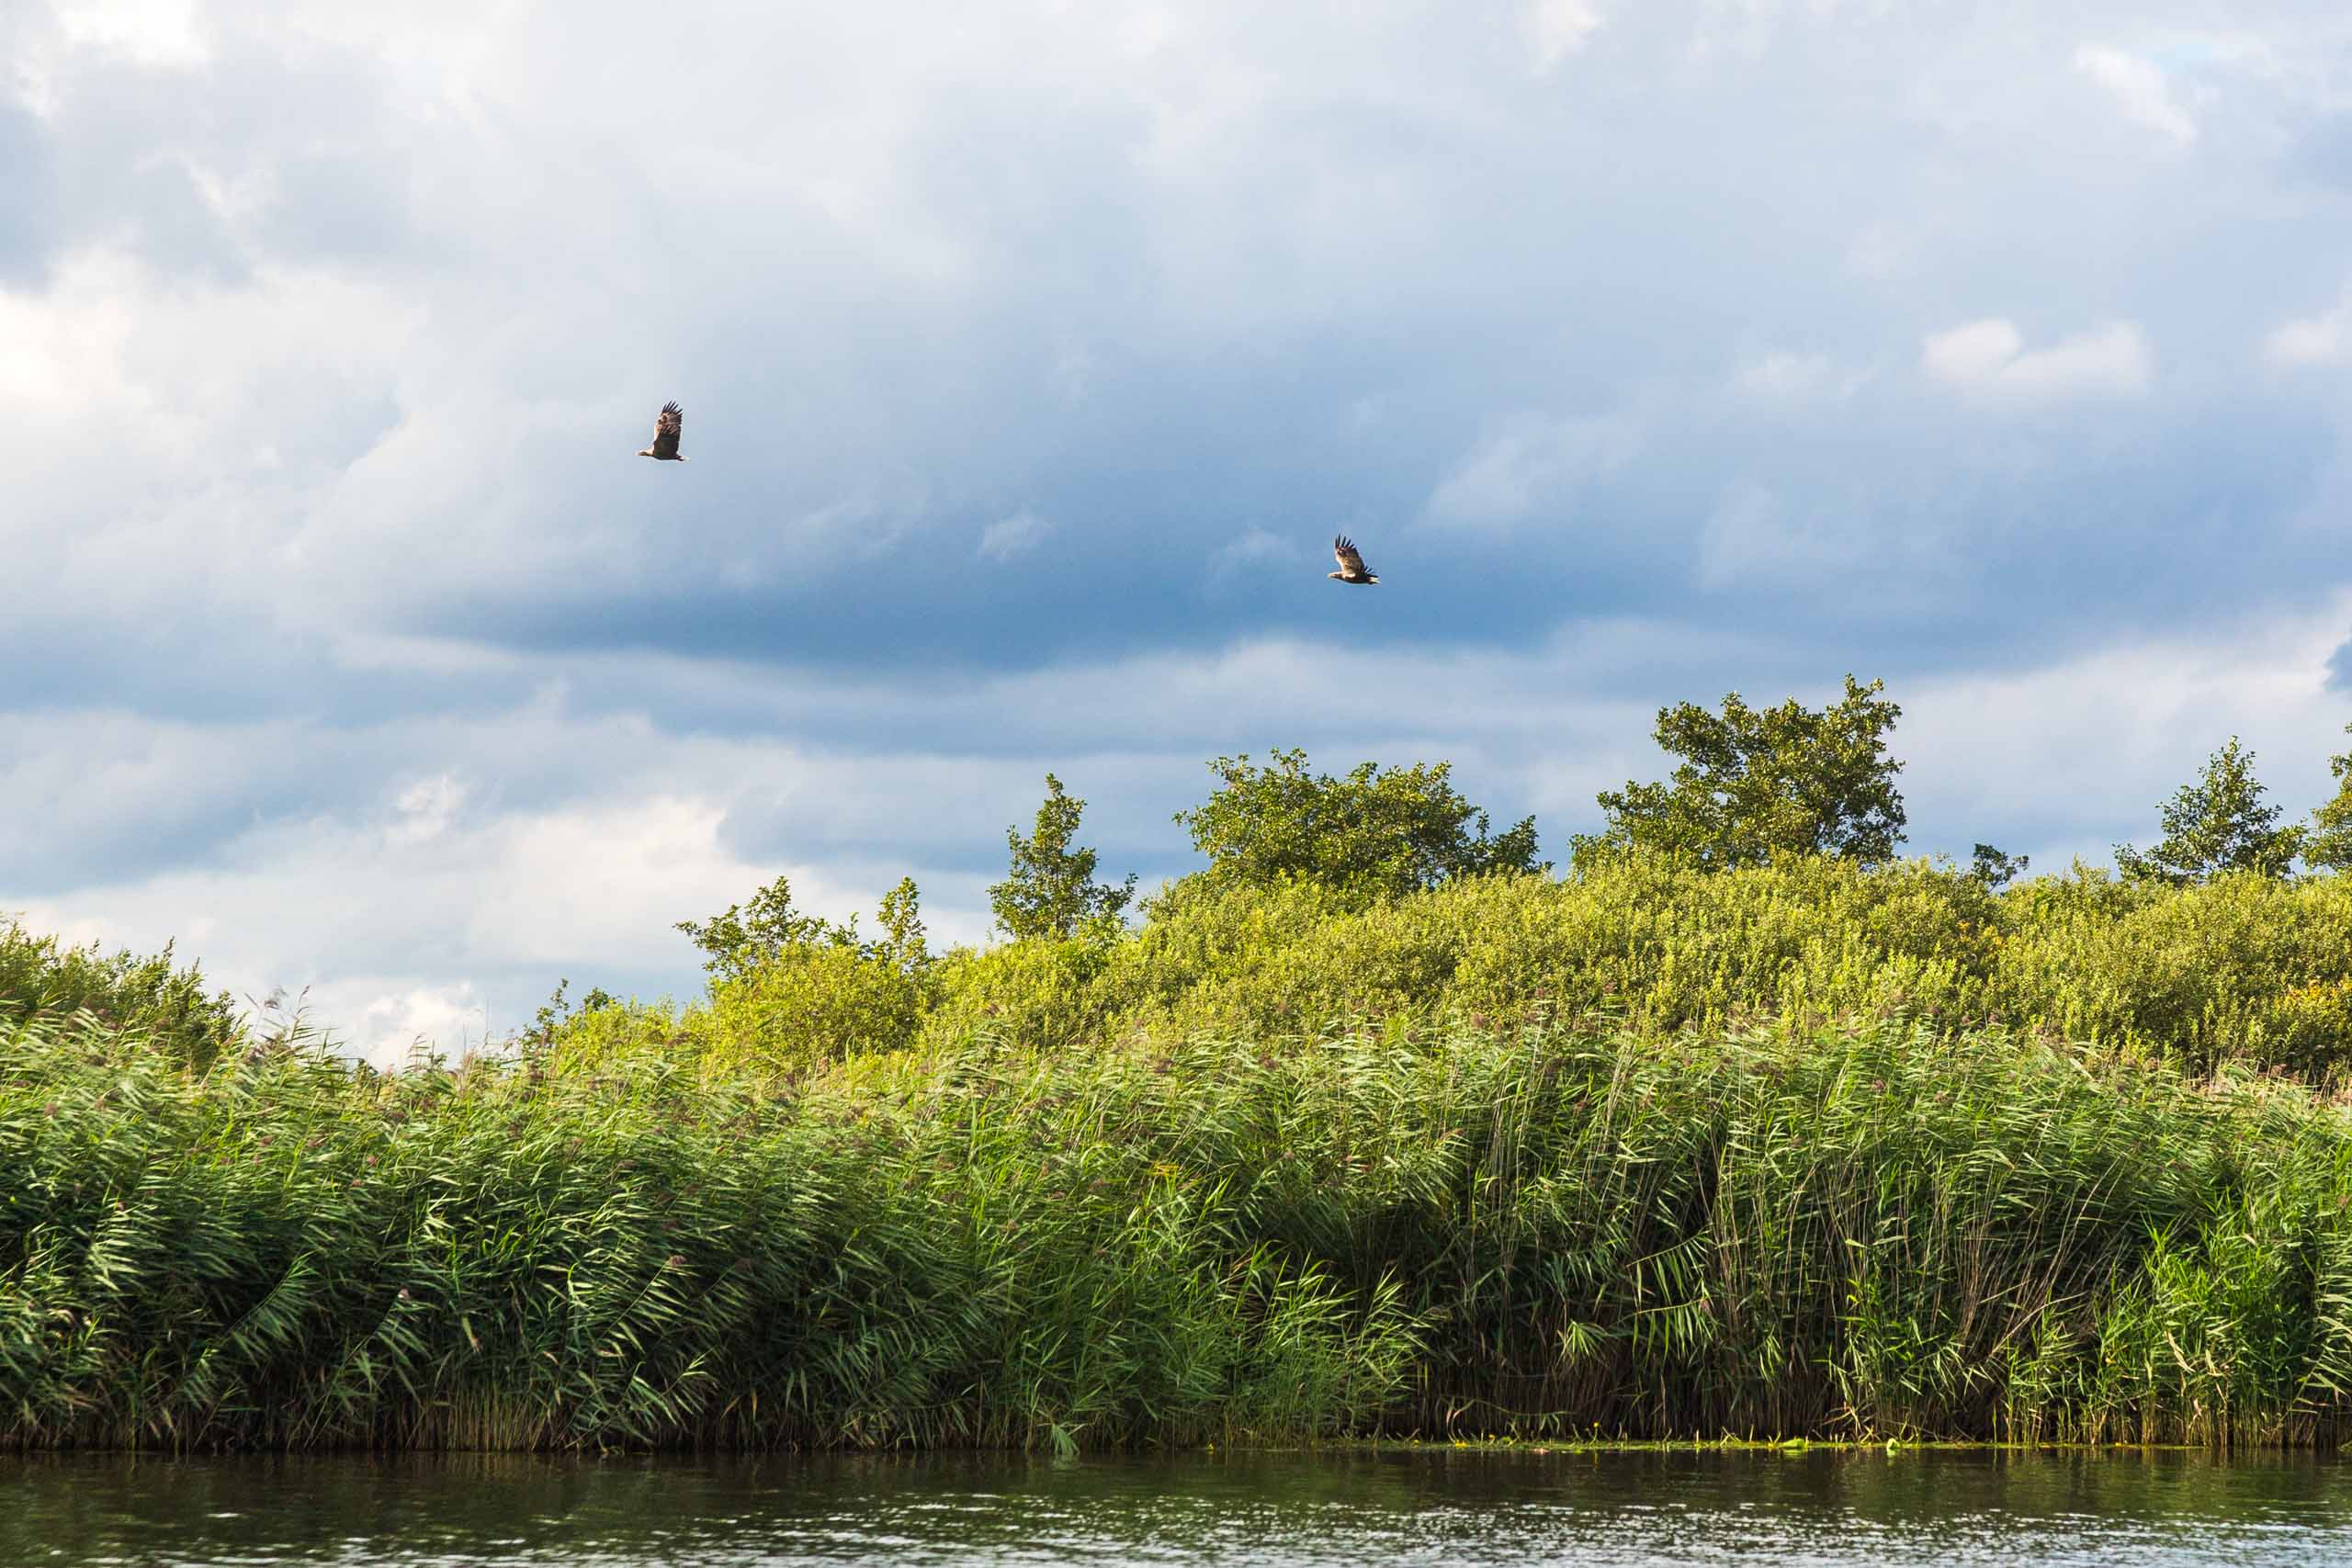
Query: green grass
(1570, 1228)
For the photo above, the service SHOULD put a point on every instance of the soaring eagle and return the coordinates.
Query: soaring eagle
(1350, 564)
(665, 435)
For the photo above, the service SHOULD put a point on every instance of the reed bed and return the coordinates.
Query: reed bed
(1869, 1229)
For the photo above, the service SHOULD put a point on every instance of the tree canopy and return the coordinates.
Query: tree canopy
(1997, 869)
(1755, 783)
(2216, 822)
(1375, 832)
(745, 938)
(1049, 889)
(2327, 845)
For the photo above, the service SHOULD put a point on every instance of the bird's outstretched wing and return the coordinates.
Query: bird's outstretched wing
(1343, 550)
(666, 429)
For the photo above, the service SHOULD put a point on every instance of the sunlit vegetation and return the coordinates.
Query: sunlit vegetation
(1376, 1124)
(2245, 969)
(1543, 1226)
(155, 997)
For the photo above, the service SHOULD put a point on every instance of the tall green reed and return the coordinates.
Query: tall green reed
(282, 1252)
(1539, 1227)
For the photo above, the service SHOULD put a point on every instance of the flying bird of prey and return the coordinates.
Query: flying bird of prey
(665, 435)
(1351, 570)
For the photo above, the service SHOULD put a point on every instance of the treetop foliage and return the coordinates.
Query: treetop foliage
(746, 937)
(1755, 783)
(2215, 823)
(1994, 869)
(2327, 845)
(1049, 889)
(1373, 832)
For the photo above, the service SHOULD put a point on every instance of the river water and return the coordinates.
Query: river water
(2169, 1510)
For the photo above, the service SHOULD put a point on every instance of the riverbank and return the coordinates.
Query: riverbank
(1562, 1230)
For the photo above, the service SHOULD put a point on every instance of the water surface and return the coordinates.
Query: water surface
(1268, 1510)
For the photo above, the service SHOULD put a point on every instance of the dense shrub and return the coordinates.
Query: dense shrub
(1042, 993)
(166, 1002)
(2245, 968)
(1757, 783)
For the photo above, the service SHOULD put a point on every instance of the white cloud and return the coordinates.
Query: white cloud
(2110, 733)
(393, 930)
(383, 1020)
(1532, 463)
(425, 809)
(1558, 28)
(2139, 89)
(152, 33)
(1014, 535)
(2323, 339)
(1790, 380)
(1985, 361)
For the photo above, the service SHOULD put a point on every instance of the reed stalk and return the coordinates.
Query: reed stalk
(1877, 1228)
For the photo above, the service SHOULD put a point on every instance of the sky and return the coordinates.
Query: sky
(1032, 351)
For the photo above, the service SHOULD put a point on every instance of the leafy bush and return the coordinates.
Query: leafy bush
(787, 989)
(151, 996)
(1041, 993)
(2217, 824)
(2246, 967)
(2243, 968)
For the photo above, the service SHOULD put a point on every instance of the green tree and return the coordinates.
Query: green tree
(1374, 832)
(746, 937)
(1758, 782)
(903, 945)
(1997, 870)
(1049, 890)
(2328, 844)
(2214, 824)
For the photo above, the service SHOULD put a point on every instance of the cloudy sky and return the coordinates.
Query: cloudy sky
(1032, 351)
